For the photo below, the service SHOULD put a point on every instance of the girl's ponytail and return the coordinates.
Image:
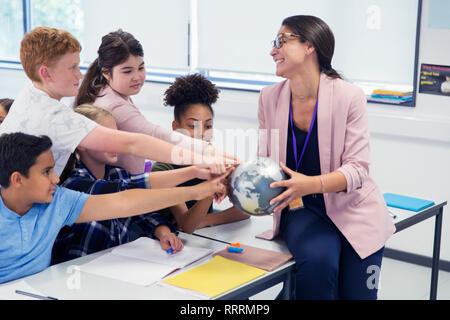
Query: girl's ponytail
(92, 83)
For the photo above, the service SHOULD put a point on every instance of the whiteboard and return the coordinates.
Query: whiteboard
(160, 26)
(375, 39)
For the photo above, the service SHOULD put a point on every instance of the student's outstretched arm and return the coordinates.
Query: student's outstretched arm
(172, 178)
(141, 145)
(138, 201)
(189, 219)
(229, 215)
(148, 147)
(198, 217)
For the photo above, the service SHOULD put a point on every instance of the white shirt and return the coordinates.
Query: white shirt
(35, 112)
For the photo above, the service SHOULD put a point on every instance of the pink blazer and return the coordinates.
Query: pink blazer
(359, 212)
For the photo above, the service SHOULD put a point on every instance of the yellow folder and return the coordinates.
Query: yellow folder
(216, 276)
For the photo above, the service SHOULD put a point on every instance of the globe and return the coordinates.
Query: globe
(250, 186)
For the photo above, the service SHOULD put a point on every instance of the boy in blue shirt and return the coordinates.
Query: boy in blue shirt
(33, 208)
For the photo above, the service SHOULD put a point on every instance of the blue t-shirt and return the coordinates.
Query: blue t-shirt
(26, 241)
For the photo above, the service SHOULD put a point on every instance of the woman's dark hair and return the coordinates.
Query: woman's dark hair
(318, 33)
(18, 152)
(6, 103)
(115, 49)
(188, 90)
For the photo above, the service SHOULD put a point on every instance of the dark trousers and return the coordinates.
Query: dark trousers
(327, 267)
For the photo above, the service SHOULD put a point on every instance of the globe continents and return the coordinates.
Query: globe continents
(250, 186)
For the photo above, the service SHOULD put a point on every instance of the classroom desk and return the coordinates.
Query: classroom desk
(405, 219)
(244, 232)
(236, 230)
(57, 281)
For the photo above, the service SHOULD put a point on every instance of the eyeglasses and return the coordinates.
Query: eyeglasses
(282, 38)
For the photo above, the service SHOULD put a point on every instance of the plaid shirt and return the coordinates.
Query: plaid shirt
(84, 238)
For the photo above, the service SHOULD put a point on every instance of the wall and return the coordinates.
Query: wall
(410, 147)
(372, 22)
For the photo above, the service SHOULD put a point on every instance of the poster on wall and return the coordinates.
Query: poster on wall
(434, 79)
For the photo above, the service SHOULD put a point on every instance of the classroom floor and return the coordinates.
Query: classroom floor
(399, 281)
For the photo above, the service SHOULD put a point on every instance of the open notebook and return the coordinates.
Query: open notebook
(142, 261)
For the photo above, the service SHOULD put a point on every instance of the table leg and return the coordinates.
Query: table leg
(436, 254)
(289, 286)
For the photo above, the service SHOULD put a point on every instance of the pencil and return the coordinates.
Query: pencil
(33, 295)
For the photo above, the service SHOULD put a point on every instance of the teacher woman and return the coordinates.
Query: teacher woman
(331, 215)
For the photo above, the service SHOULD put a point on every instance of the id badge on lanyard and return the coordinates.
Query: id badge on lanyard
(298, 202)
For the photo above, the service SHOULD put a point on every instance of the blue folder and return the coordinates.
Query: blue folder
(405, 202)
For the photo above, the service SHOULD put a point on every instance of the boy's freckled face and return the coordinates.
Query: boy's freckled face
(39, 187)
(66, 75)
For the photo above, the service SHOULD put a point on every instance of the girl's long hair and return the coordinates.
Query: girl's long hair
(115, 49)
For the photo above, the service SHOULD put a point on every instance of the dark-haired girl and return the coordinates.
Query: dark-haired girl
(192, 97)
(331, 215)
(117, 74)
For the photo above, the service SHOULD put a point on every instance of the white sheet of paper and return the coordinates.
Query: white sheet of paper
(127, 269)
(142, 261)
(150, 250)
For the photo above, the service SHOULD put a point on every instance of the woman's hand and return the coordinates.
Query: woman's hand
(297, 186)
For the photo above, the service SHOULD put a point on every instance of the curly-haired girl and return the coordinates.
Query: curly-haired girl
(192, 97)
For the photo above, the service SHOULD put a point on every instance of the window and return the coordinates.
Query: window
(160, 26)
(11, 24)
(375, 40)
(229, 41)
(61, 14)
